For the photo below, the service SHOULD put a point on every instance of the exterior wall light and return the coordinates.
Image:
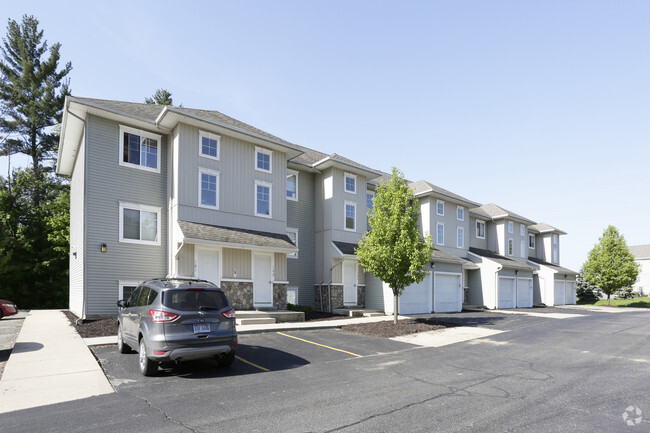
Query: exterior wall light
(103, 248)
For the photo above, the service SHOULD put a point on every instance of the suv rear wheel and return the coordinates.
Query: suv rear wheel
(226, 360)
(147, 366)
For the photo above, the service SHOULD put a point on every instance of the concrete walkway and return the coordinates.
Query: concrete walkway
(50, 363)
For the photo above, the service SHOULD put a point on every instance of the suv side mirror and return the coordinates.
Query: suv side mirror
(122, 303)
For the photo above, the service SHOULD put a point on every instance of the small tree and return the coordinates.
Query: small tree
(586, 293)
(610, 265)
(393, 250)
(161, 97)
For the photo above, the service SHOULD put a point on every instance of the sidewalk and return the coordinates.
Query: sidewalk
(49, 364)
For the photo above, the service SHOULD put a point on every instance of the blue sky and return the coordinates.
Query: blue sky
(540, 107)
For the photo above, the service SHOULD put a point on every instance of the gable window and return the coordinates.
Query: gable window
(263, 160)
(293, 235)
(139, 149)
(511, 227)
(350, 216)
(370, 196)
(460, 213)
(292, 185)
(440, 234)
(139, 224)
(440, 207)
(263, 199)
(531, 241)
(208, 188)
(522, 248)
(209, 145)
(460, 241)
(522, 230)
(350, 183)
(511, 247)
(480, 229)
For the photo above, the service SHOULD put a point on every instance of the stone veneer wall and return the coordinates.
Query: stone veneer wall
(322, 297)
(280, 296)
(239, 293)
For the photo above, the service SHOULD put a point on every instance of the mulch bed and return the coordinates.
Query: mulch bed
(94, 328)
(387, 329)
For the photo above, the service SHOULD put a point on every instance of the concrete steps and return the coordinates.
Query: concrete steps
(278, 316)
(255, 321)
(357, 312)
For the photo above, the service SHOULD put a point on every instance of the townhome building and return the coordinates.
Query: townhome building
(641, 255)
(173, 191)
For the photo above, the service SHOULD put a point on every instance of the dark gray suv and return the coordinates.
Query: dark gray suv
(177, 319)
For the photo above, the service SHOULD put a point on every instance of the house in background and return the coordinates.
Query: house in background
(642, 257)
(173, 191)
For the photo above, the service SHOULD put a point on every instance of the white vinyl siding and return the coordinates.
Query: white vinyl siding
(139, 149)
(139, 224)
(209, 145)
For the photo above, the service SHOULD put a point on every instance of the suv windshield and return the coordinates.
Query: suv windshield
(193, 300)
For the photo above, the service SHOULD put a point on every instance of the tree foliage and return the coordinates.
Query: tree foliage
(610, 265)
(585, 292)
(34, 203)
(161, 97)
(394, 250)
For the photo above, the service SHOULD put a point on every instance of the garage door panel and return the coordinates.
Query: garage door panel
(415, 298)
(524, 292)
(447, 293)
(559, 296)
(570, 293)
(506, 293)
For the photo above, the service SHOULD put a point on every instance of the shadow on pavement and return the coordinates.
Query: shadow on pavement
(27, 347)
(478, 320)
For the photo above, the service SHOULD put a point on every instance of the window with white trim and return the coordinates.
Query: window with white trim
(263, 159)
(555, 239)
(209, 145)
(522, 249)
(139, 149)
(440, 207)
(460, 237)
(522, 230)
(511, 247)
(208, 188)
(511, 226)
(292, 185)
(350, 183)
(263, 199)
(555, 255)
(139, 224)
(460, 213)
(293, 235)
(350, 216)
(480, 229)
(126, 288)
(440, 234)
(531, 241)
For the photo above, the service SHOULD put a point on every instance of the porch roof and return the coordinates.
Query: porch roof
(556, 268)
(345, 248)
(235, 237)
(503, 261)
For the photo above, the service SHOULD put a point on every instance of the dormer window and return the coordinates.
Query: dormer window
(350, 183)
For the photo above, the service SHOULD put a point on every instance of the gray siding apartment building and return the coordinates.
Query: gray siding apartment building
(173, 191)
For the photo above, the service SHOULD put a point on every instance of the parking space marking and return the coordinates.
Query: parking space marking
(250, 363)
(321, 345)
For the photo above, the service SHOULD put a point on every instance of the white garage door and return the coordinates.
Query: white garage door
(570, 293)
(506, 292)
(524, 292)
(559, 296)
(447, 293)
(415, 298)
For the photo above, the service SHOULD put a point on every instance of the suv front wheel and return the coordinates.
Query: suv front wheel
(147, 366)
(121, 347)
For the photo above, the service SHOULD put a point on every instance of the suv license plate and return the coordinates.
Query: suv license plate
(202, 328)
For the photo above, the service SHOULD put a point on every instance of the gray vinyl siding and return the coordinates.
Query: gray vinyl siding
(451, 223)
(186, 261)
(77, 220)
(301, 215)
(374, 293)
(239, 260)
(447, 267)
(280, 265)
(122, 261)
(237, 176)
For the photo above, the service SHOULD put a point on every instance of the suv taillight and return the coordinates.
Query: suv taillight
(230, 314)
(162, 316)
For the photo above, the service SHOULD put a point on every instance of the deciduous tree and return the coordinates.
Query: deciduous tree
(394, 250)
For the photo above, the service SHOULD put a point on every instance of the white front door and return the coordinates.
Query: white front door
(207, 265)
(447, 293)
(263, 280)
(506, 292)
(349, 282)
(559, 295)
(524, 292)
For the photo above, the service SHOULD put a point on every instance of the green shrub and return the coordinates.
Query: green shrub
(303, 308)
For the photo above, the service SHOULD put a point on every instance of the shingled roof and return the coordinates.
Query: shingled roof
(557, 268)
(422, 187)
(492, 211)
(640, 251)
(503, 261)
(545, 228)
(236, 236)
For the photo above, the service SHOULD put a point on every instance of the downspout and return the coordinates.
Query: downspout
(496, 286)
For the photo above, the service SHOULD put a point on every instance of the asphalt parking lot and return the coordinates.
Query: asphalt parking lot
(9, 328)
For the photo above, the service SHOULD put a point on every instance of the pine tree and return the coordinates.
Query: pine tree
(161, 97)
(610, 265)
(393, 250)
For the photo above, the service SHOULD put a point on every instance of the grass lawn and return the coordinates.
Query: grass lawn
(634, 302)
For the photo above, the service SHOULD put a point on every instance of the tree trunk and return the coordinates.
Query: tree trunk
(395, 305)
(608, 295)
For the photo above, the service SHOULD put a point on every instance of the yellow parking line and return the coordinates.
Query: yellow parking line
(250, 363)
(321, 345)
